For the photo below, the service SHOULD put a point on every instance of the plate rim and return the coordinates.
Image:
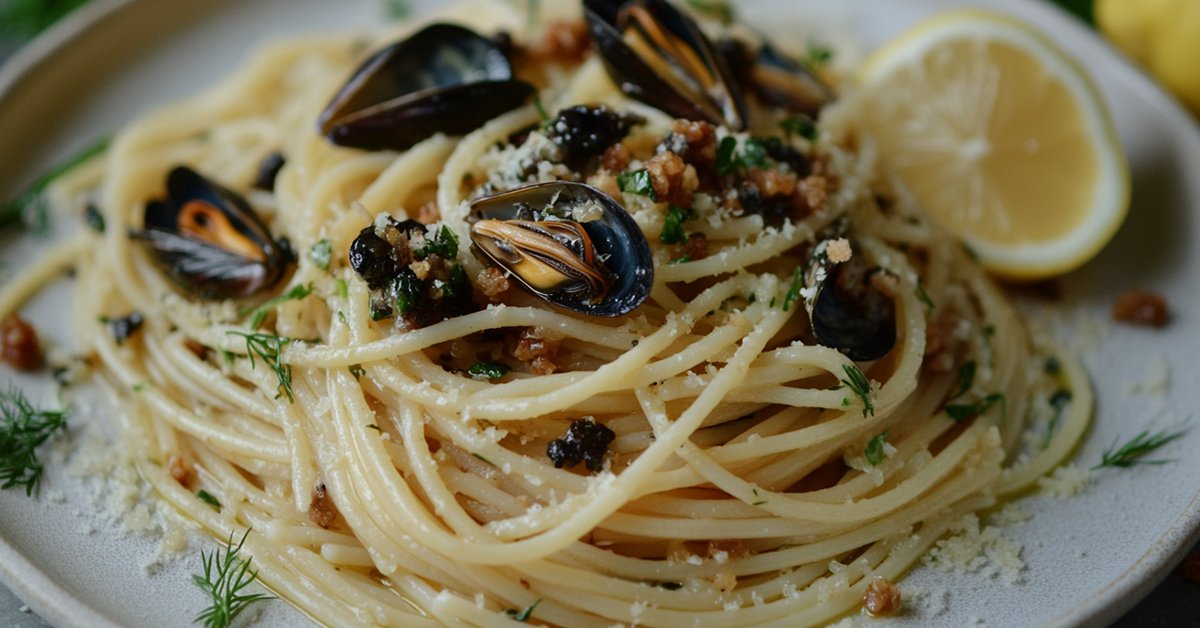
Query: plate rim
(62, 609)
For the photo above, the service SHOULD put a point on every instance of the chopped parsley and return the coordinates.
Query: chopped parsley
(444, 243)
(357, 371)
(489, 370)
(801, 125)
(208, 498)
(793, 292)
(320, 253)
(966, 379)
(960, 412)
(729, 159)
(637, 182)
(819, 54)
(874, 451)
(672, 231)
(522, 615)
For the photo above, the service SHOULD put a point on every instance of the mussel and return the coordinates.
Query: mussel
(847, 309)
(444, 79)
(659, 56)
(568, 243)
(776, 79)
(209, 240)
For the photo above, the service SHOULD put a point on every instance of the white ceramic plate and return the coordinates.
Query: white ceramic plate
(1090, 558)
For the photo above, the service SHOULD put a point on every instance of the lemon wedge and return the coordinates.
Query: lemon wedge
(1002, 138)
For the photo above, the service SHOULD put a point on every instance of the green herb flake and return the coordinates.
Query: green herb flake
(320, 254)
(819, 54)
(357, 371)
(963, 411)
(672, 231)
(1133, 452)
(94, 218)
(758, 503)
(444, 243)
(30, 206)
(342, 290)
(269, 348)
(208, 498)
(858, 384)
(924, 296)
(480, 456)
(225, 576)
(488, 370)
(637, 182)
(24, 428)
(1059, 401)
(754, 155)
(719, 10)
(681, 260)
(874, 451)
(1052, 366)
(537, 102)
(726, 155)
(793, 292)
(397, 9)
(522, 615)
(258, 315)
(801, 125)
(374, 427)
(408, 293)
(140, 386)
(966, 379)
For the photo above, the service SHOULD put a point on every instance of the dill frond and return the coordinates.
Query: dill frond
(269, 348)
(225, 576)
(23, 429)
(1132, 452)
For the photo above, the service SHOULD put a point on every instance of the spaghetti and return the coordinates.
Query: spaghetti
(753, 477)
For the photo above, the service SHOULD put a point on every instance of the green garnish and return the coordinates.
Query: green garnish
(793, 292)
(208, 498)
(874, 451)
(224, 578)
(140, 386)
(320, 253)
(480, 456)
(30, 206)
(1053, 366)
(819, 54)
(858, 384)
(1131, 453)
(537, 102)
(960, 412)
(342, 290)
(637, 182)
(522, 615)
(924, 296)
(681, 260)
(1058, 401)
(717, 9)
(397, 9)
(260, 313)
(23, 429)
(26, 18)
(966, 379)
(269, 347)
(357, 371)
(408, 293)
(801, 125)
(444, 243)
(672, 231)
(489, 370)
(752, 155)
(94, 218)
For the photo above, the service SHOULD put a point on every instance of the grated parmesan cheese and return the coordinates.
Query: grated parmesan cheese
(1066, 481)
(977, 549)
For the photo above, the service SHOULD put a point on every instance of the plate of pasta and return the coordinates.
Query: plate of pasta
(574, 314)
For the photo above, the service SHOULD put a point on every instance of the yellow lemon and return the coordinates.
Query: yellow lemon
(1003, 139)
(1163, 35)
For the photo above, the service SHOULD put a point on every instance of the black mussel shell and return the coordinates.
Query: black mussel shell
(776, 79)
(659, 56)
(209, 240)
(785, 83)
(848, 312)
(568, 243)
(444, 79)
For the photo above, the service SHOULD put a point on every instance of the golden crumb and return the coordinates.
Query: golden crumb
(839, 251)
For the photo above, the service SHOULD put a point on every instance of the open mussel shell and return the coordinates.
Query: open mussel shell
(852, 317)
(209, 240)
(568, 243)
(785, 83)
(659, 56)
(444, 79)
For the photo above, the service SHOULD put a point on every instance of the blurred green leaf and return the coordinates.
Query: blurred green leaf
(1081, 8)
(26, 18)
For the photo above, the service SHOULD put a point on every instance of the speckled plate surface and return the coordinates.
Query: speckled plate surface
(1089, 558)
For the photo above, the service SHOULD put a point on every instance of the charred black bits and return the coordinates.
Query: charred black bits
(123, 328)
(585, 441)
(774, 210)
(584, 132)
(268, 170)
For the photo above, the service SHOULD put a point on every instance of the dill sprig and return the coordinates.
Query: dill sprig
(30, 207)
(224, 578)
(260, 313)
(269, 347)
(858, 384)
(23, 429)
(1132, 452)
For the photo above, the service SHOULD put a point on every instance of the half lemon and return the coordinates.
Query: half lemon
(1003, 139)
